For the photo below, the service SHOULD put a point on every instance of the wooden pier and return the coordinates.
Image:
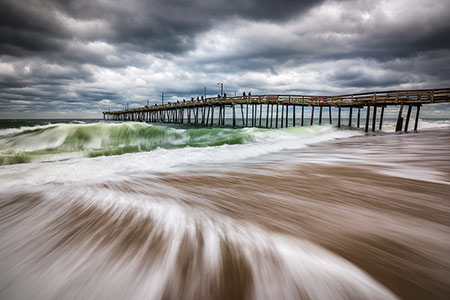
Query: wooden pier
(212, 111)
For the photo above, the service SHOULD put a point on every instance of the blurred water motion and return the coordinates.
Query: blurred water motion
(361, 218)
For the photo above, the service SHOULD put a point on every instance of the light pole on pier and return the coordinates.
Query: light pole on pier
(220, 84)
(162, 98)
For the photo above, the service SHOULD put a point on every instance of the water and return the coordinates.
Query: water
(104, 210)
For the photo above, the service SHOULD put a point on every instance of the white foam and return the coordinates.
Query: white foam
(166, 160)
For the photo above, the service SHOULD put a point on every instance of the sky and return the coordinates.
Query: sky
(74, 59)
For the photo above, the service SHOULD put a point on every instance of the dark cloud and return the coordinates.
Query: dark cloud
(158, 25)
(64, 53)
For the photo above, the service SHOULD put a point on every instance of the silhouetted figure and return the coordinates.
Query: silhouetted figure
(224, 95)
(249, 94)
(243, 94)
(218, 96)
(202, 98)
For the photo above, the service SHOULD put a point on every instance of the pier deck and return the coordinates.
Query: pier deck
(203, 111)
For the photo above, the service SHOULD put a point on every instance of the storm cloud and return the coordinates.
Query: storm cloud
(81, 57)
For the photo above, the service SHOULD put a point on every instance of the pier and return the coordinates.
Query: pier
(275, 111)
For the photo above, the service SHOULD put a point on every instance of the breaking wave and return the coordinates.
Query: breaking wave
(63, 141)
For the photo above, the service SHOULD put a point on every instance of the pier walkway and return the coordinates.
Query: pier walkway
(272, 111)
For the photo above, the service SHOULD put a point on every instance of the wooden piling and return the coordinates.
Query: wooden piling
(267, 116)
(223, 117)
(312, 115)
(359, 116)
(234, 114)
(293, 115)
(287, 115)
(339, 116)
(417, 117)
(242, 112)
(282, 115)
(212, 115)
(408, 115)
(253, 115)
(320, 115)
(276, 117)
(367, 119)
(303, 113)
(350, 117)
(399, 119)
(246, 116)
(329, 114)
(374, 117)
(260, 114)
(381, 118)
(271, 116)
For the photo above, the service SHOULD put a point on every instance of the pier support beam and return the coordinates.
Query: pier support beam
(374, 117)
(212, 115)
(359, 117)
(408, 115)
(253, 115)
(366, 129)
(246, 115)
(329, 114)
(381, 118)
(282, 115)
(312, 115)
(417, 118)
(234, 115)
(287, 115)
(399, 119)
(293, 115)
(271, 116)
(276, 117)
(267, 116)
(303, 113)
(339, 116)
(260, 114)
(350, 117)
(320, 115)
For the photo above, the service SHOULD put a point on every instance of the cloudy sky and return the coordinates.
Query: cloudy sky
(64, 58)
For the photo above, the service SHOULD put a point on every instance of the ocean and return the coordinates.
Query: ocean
(93, 209)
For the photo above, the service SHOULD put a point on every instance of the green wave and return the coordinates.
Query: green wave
(101, 139)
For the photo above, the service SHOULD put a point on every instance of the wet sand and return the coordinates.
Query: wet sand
(374, 209)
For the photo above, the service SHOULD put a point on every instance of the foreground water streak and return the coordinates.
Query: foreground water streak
(290, 214)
